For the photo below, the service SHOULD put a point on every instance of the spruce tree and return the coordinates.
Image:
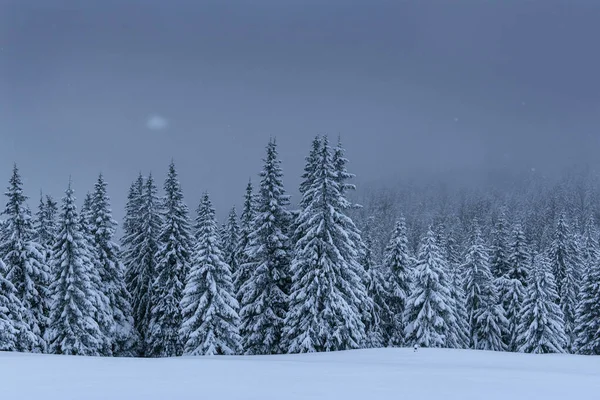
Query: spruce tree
(26, 263)
(542, 326)
(242, 273)
(45, 225)
(458, 324)
(230, 240)
(485, 315)
(265, 294)
(172, 264)
(587, 326)
(499, 261)
(13, 331)
(564, 263)
(381, 318)
(397, 270)
(132, 227)
(428, 307)
(325, 304)
(512, 286)
(111, 271)
(141, 274)
(103, 314)
(73, 328)
(210, 311)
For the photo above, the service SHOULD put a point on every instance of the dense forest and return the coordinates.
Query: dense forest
(511, 268)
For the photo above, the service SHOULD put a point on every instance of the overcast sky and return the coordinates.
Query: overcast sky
(413, 87)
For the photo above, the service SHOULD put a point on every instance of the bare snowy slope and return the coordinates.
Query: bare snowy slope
(365, 374)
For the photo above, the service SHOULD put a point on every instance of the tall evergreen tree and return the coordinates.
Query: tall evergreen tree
(243, 271)
(542, 326)
(141, 274)
(230, 240)
(397, 268)
(73, 328)
(172, 264)
(111, 271)
(428, 311)
(458, 324)
(325, 301)
(564, 263)
(486, 316)
(499, 261)
(210, 317)
(45, 225)
(587, 326)
(519, 258)
(377, 326)
(265, 294)
(132, 227)
(13, 331)
(26, 262)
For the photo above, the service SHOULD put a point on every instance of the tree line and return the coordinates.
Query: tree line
(326, 275)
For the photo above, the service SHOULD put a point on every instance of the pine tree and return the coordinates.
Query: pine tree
(428, 309)
(243, 271)
(458, 324)
(12, 327)
(564, 263)
(512, 286)
(485, 315)
(499, 262)
(172, 264)
(519, 257)
(26, 262)
(397, 268)
(381, 318)
(45, 226)
(265, 294)
(230, 240)
(103, 315)
(111, 271)
(325, 304)
(132, 228)
(542, 326)
(73, 328)
(587, 326)
(210, 317)
(141, 274)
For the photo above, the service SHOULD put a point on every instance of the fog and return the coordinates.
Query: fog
(415, 89)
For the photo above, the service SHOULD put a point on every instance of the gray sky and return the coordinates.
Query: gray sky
(413, 87)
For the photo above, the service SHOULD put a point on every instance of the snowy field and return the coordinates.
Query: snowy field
(365, 374)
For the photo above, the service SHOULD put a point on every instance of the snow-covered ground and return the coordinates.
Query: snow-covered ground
(365, 374)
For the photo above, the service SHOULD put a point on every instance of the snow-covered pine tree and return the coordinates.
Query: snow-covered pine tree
(542, 327)
(377, 327)
(12, 327)
(172, 264)
(428, 307)
(230, 240)
(512, 287)
(73, 328)
(242, 273)
(26, 263)
(564, 264)
(143, 246)
(587, 322)
(265, 294)
(103, 314)
(459, 321)
(485, 315)
(111, 271)
(45, 225)
(397, 270)
(342, 177)
(132, 226)
(325, 307)
(519, 258)
(499, 260)
(210, 311)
